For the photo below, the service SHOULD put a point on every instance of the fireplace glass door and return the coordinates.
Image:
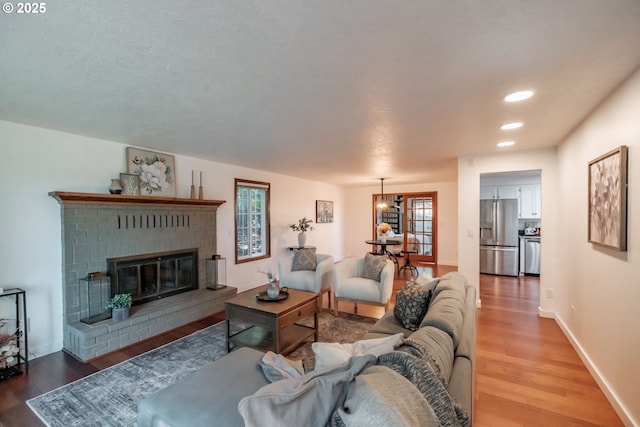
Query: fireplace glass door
(154, 276)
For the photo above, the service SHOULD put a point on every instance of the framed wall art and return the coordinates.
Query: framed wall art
(608, 199)
(130, 183)
(324, 211)
(156, 170)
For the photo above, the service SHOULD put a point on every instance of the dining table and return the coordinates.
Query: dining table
(383, 245)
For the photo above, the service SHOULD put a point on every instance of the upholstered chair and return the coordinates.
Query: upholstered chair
(299, 272)
(367, 280)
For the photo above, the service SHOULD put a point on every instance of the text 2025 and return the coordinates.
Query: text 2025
(31, 7)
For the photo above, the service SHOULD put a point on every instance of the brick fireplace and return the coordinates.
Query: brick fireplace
(100, 227)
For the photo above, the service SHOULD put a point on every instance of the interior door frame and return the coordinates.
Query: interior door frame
(433, 258)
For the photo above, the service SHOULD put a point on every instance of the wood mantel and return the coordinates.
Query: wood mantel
(127, 199)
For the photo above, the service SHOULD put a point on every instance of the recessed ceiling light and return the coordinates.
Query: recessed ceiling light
(505, 143)
(519, 96)
(509, 126)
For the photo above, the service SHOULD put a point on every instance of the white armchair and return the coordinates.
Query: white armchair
(318, 281)
(349, 285)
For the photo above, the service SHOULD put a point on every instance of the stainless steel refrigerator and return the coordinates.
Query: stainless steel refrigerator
(499, 237)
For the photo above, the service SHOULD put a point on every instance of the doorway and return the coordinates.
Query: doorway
(523, 190)
(414, 216)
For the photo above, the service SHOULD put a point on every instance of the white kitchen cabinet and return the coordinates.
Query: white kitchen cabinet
(530, 201)
(499, 192)
(508, 191)
(488, 192)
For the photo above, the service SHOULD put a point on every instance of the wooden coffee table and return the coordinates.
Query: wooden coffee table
(273, 325)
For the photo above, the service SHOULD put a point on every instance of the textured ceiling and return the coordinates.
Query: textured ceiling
(336, 91)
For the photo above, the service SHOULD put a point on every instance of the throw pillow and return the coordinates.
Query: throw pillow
(412, 302)
(380, 396)
(373, 265)
(304, 259)
(427, 281)
(332, 353)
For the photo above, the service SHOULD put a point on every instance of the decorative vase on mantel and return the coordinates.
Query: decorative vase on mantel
(115, 187)
(302, 239)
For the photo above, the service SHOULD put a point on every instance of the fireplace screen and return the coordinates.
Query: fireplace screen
(152, 276)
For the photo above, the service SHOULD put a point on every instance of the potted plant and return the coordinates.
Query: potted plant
(272, 290)
(383, 231)
(302, 227)
(120, 305)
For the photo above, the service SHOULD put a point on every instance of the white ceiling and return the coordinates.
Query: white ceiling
(340, 91)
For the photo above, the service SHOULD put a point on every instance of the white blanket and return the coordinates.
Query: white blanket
(309, 400)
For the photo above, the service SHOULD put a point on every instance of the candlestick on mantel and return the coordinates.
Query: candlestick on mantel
(200, 195)
(193, 187)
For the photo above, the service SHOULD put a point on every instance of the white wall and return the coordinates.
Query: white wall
(359, 219)
(469, 171)
(602, 284)
(37, 161)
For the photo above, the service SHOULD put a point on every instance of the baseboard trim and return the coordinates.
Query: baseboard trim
(611, 396)
(548, 314)
(44, 350)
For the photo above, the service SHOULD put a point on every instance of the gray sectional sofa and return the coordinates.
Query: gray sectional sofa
(448, 333)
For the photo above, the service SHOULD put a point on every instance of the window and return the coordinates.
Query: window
(252, 220)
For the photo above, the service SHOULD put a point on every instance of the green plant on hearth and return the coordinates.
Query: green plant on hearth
(120, 301)
(303, 225)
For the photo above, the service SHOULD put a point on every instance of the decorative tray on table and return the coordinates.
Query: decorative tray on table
(284, 294)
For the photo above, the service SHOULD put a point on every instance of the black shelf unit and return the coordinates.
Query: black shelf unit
(20, 298)
(391, 216)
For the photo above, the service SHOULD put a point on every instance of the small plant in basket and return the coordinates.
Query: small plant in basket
(119, 305)
(120, 301)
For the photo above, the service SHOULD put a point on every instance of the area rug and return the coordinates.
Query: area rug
(109, 397)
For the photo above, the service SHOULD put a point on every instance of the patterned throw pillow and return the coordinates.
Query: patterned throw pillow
(373, 265)
(304, 259)
(412, 302)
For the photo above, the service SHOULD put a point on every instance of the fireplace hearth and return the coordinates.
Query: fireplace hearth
(101, 227)
(148, 277)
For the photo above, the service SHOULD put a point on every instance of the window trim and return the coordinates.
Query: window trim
(239, 182)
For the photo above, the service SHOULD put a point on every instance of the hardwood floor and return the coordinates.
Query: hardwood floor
(527, 373)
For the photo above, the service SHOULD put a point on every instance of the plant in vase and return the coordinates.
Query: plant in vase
(273, 290)
(302, 227)
(383, 231)
(120, 305)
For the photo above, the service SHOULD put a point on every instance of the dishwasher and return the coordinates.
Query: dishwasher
(532, 255)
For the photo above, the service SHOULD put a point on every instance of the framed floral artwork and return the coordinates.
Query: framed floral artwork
(324, 211)
(608, 199)
(156, 171)
(130, 184)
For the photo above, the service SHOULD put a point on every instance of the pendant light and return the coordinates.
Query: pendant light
(382, 204)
